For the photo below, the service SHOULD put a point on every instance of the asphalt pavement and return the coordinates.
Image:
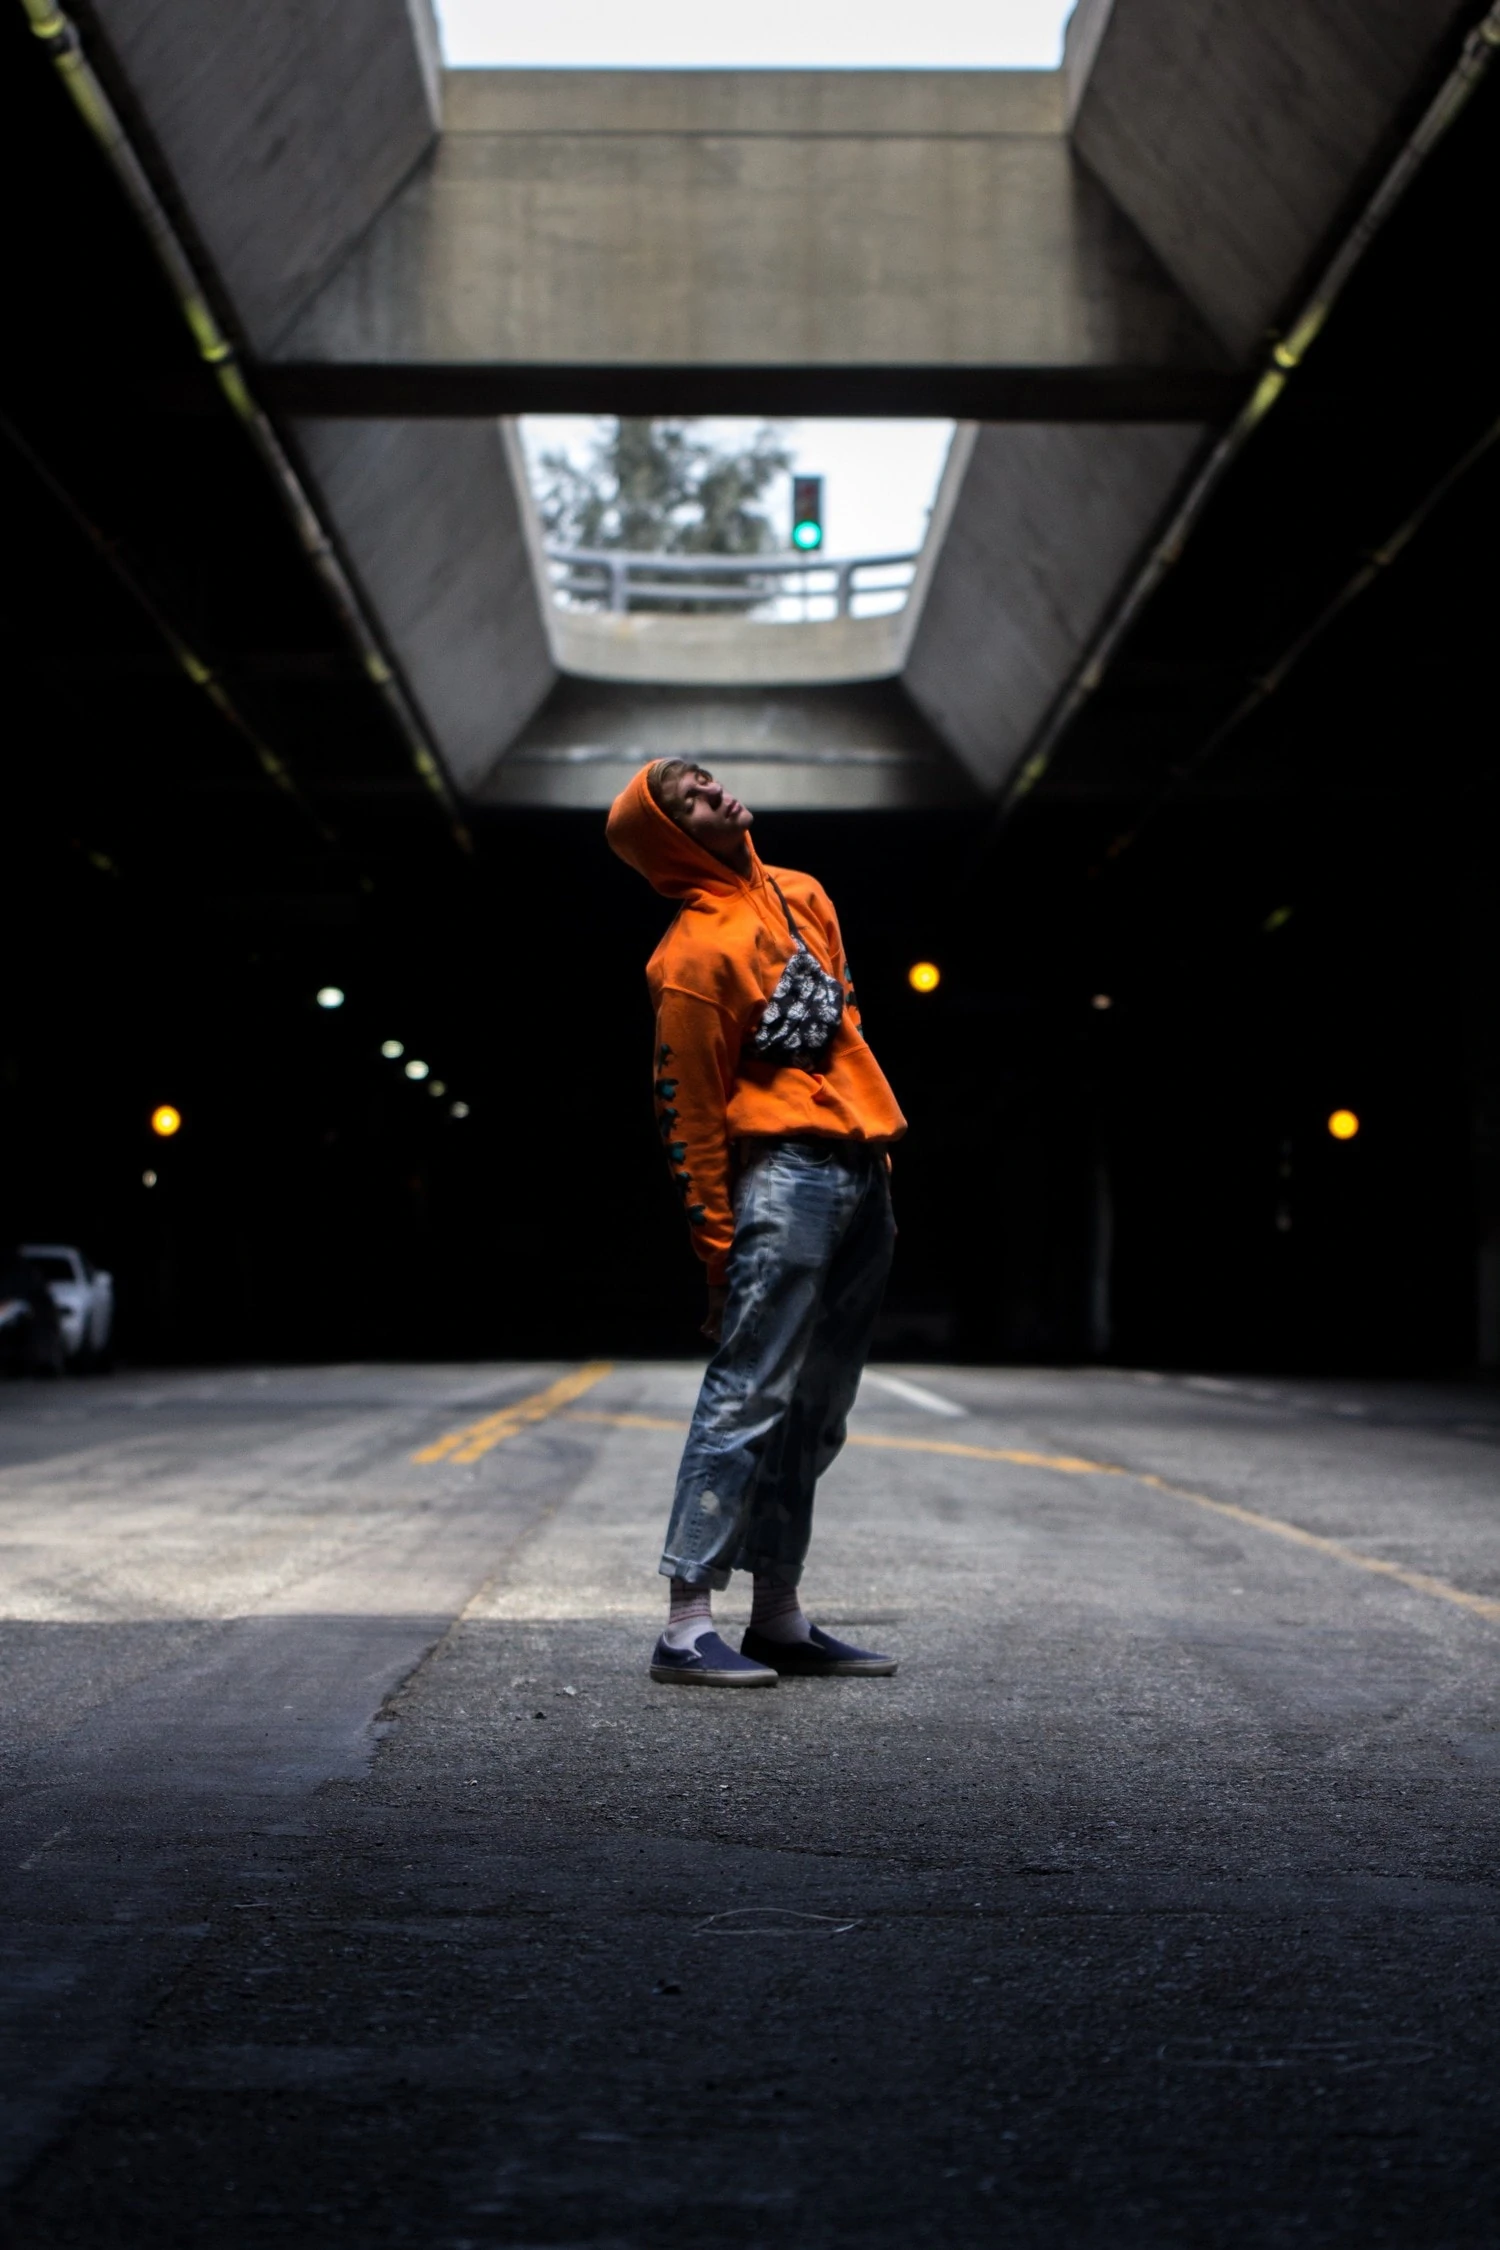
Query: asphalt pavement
(356, 1885)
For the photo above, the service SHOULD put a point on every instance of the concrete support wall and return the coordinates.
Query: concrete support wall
(694, 650)
(428, 515)
(1234, 135)
(849, 748)
(769, 218)
(1046, 525)
(286, 127)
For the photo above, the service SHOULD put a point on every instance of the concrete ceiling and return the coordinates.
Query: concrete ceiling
(1091, 263)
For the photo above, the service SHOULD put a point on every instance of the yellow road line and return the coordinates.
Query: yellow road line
(473, 1442)
(1063, 1461)
(1073, 1465)
(627, 1421)
(1420, 1581)
(1067, 1464)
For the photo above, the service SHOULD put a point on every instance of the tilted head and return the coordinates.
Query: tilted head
(674, 824)
(701, 807)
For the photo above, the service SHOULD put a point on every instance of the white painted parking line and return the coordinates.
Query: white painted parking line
(913, 1393)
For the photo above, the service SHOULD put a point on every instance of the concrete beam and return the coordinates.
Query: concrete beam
(286, 128)
(429, 517)
(331, 389)
(604, 226)
(1238, 138)
(845, 749)
(1044, 529)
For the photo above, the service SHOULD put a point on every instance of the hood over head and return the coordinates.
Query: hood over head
(641, 834)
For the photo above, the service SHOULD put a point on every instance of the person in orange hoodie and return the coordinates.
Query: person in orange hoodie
(776, 1119)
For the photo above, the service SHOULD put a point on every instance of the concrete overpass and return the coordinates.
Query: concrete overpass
(1089, 268)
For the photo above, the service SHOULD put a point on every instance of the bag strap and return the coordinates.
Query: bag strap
(786, 910)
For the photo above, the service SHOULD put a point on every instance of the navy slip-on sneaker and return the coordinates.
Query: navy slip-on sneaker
(710, 1662)
(820, 1658)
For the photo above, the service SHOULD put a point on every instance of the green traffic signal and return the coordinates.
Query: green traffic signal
(807, 513)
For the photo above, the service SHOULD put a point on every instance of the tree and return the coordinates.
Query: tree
(658, 488)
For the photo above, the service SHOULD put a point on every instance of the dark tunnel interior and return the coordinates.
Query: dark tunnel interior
(1302, 920)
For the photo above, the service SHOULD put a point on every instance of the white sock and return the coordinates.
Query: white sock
(689, 1614)
(776, 1612)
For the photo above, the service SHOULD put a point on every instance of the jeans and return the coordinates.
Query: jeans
(813, 1235)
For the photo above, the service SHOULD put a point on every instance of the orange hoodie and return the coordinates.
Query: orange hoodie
(710, 977)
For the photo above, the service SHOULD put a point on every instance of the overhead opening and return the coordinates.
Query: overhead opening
(686, 619)
(735, 521)
(778, 35)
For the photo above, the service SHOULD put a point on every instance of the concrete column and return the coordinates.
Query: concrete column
(286, 127)
(1044, 529)
(429, 518)
(1235, 136)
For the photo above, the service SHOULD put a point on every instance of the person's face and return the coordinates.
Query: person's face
(704, 810)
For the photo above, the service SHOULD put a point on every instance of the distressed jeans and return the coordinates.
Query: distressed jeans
(813, 1234)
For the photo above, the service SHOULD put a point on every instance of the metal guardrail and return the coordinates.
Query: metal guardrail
(622, 580)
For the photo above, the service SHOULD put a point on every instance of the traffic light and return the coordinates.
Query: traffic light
(807, 513)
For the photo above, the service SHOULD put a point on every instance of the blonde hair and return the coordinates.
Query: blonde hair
(657, 774)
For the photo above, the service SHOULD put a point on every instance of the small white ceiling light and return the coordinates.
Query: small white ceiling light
(1103, 1000)
(458, 1109)
(437, 1087)
(415, 1069)
(330, 996)
(391, 1048)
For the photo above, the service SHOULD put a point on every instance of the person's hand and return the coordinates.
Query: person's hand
(713, 1319)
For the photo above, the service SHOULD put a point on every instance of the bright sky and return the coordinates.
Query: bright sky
(773, 34)
(879, 477)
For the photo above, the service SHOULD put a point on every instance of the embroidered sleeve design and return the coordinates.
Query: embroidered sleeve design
(693, 1069)
(666, 1125)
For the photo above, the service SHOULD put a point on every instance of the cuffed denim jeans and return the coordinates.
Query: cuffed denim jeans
(813, 1234)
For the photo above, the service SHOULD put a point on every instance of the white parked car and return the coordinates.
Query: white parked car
(83, 1295)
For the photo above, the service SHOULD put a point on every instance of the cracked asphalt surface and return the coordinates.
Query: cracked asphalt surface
(358, 1885)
